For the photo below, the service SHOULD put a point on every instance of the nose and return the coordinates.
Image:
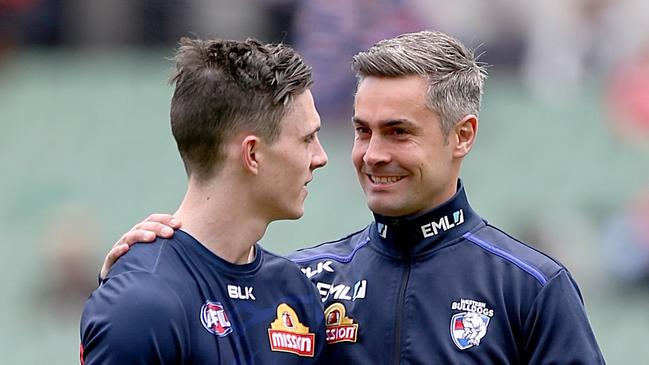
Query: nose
(319, 158)
(376, 153)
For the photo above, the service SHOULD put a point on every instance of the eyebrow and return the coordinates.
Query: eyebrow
(386, 123)
(313, 132)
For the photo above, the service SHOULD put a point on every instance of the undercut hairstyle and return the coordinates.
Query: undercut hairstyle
(224, 87)
(455, 78)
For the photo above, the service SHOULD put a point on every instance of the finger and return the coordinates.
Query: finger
(166, 219)
(136, 235)
(116, 252)
(158, 229)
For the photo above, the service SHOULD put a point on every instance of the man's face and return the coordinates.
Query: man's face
(292, 159)
(404, 163)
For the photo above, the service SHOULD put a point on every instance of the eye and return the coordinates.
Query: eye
(309, 138)
(362, 130)
(399, 132)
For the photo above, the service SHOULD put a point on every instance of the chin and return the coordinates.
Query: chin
(389, 210)
(382, 209)
(294, 214)
(286, 214)
(297, 215)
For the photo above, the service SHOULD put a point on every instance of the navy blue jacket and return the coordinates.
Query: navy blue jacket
(175, 302)
(445, 287)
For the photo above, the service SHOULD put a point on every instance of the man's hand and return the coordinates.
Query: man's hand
(160, 225)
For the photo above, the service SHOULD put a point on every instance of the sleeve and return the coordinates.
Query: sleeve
(133, 318)
(557, 327)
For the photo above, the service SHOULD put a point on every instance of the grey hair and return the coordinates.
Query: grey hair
(455, 77)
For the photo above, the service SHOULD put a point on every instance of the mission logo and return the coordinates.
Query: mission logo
(339, 327)
(287, 334)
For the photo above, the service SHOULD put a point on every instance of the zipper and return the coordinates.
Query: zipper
(399, 313)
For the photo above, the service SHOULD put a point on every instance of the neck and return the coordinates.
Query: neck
(222, 220)
(424, 232)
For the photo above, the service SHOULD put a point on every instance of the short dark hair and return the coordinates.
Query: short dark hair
(223, 87)
(455, 78)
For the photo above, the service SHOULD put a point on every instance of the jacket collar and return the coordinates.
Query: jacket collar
(417, 235)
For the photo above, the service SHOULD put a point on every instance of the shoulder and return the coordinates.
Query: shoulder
(288, 276)
(341, 250)
(134, 297)
(512, 251)
(281, 267)
(142, 257)
(130, 318)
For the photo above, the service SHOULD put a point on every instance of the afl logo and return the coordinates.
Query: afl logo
(214, 319)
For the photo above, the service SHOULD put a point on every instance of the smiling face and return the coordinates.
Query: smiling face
(291, 160)
(404, 163)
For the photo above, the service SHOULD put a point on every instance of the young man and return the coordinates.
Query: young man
(430, 281)
(246, 128)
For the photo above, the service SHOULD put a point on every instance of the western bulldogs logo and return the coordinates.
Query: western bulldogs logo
(468, 328)
(214, 319)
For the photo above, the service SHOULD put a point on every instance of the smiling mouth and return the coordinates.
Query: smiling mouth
(384, 180)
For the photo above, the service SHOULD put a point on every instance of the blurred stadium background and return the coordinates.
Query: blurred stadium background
(562, 158)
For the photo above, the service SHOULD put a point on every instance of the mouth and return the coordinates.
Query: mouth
(384, 180)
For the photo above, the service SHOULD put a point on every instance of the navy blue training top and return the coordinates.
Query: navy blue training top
(445, 287)
(174, 302)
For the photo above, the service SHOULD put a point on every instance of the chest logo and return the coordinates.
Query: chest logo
(443, 224)
(237, 292)
(469, 327)
(214, 319)
(287, 334)
(321, 266)
(342, 291)
(339, 327)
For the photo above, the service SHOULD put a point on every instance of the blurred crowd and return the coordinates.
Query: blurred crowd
(554, 45)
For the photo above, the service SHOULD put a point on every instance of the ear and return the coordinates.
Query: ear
(249, 148)
(465, 131)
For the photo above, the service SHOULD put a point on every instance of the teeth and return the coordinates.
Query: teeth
(385, 179)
